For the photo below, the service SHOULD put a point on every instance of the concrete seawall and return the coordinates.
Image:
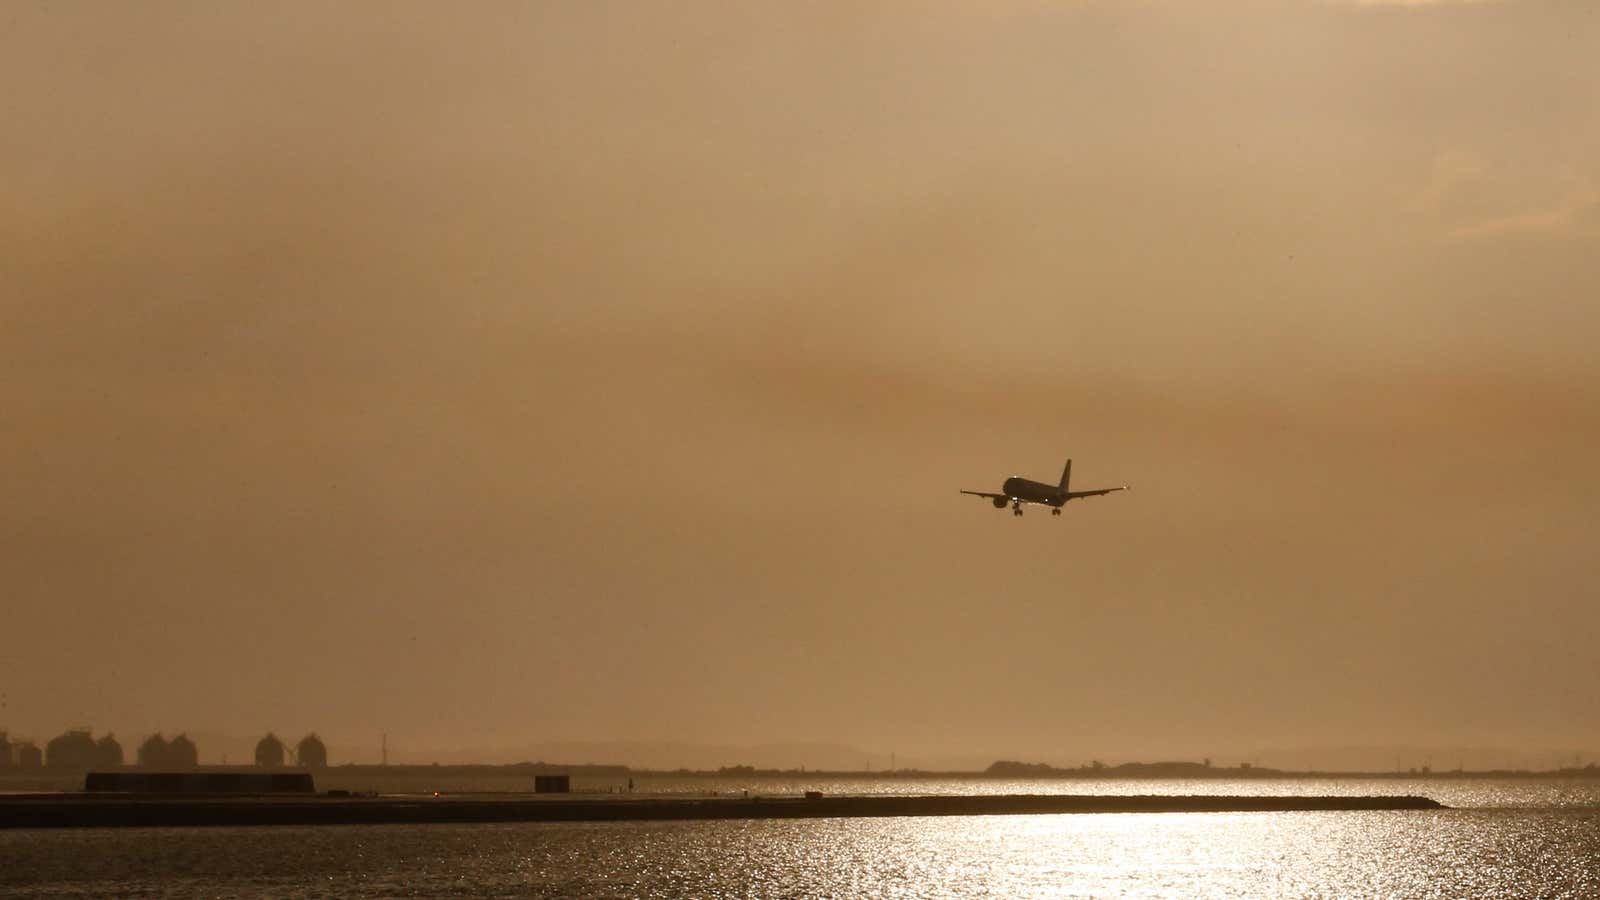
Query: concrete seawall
(102, 810)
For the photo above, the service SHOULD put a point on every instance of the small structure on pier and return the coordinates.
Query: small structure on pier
(552, 784)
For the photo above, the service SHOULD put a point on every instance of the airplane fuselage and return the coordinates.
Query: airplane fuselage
(1030, 491)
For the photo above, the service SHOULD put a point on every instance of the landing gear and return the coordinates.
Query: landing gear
(1016, 509)
(1056, 511)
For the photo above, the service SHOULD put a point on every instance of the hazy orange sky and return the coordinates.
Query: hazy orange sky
(507, 373)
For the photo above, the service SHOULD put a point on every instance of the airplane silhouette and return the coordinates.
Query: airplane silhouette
(1018, 490)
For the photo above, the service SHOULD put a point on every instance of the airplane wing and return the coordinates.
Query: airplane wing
(1076, 494)
(987, 495)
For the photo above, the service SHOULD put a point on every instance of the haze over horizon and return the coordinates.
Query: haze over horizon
(529, 373)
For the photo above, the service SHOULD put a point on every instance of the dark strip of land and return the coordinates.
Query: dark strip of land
(100, 811)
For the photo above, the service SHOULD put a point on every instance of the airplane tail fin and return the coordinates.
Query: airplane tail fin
(1066, 476)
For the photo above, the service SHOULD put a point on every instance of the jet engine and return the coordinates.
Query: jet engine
(999, 502)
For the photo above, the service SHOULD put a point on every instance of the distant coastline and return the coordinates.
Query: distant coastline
(1182, 769)
(58, 778)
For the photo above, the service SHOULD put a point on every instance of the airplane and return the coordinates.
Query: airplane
(1018, 490)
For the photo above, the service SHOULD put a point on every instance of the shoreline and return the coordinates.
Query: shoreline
(160, 811)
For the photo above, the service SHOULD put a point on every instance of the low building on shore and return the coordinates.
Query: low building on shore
(200, 782)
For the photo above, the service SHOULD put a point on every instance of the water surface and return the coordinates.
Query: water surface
(1506, 839)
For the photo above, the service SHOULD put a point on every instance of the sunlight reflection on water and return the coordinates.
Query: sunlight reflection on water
(1483, 853)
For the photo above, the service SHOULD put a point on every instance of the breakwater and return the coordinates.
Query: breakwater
(100, 811)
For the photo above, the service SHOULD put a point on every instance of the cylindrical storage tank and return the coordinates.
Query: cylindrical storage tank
(269, 752)
(311, 752)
